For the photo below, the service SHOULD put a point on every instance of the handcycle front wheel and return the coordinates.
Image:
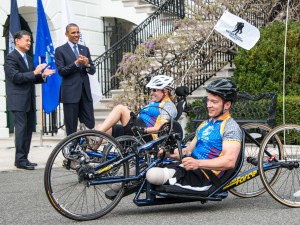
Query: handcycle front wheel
(67, 176)
(286, 189)
(255, 133)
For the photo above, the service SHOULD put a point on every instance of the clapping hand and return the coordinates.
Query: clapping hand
(39, 68)
(82, 60)
(48, 72)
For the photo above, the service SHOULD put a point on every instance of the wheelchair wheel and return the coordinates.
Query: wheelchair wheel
(165, 128)
(286, 189)
(255, 187)
(68, 173)
(127, 141)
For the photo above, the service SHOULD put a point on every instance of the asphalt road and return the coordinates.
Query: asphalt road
(23, 201)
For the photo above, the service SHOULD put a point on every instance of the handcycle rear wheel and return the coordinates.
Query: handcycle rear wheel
(67, 177)
(255, 187)
(286, 189)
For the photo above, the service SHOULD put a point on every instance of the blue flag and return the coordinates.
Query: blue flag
(44, 53)
(14, 23)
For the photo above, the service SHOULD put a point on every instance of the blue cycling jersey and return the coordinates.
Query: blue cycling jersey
(152, 115)
(210, 136)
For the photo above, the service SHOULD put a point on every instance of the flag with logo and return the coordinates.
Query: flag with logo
(14, 23)
(44, 53)
(69, 17)
(237, 30)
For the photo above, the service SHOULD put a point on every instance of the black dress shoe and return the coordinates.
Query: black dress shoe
(32, 164)
(25, 167)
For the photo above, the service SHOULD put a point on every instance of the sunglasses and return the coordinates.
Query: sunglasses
(154, 90)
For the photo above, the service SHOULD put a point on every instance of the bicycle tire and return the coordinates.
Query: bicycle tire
(254, 187)
(286, 189)
(67, 187)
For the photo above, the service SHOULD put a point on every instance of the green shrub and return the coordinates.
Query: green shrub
(261, 68)
(292, 110)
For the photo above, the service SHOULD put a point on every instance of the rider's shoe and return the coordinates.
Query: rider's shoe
(111, 194)
(297, 194)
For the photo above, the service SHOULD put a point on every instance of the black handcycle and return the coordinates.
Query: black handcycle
(78, 187)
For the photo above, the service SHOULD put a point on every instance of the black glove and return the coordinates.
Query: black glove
(141, 130)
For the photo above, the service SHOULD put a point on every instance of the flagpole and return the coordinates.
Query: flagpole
(196, 57)
(284, 62)
(284, 66)
(41, 117)
(41, 112)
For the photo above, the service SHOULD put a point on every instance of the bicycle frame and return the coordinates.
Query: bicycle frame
(150, 199)
(71, 178)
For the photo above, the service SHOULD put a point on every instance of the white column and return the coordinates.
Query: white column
(4, 131)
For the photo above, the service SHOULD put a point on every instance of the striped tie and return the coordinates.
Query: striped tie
(25, 60)
(75, 50)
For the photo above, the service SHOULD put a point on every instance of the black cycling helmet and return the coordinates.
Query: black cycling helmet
(224, 88)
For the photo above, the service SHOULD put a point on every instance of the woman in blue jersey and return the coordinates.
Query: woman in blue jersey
(215, 147)
(151, 116)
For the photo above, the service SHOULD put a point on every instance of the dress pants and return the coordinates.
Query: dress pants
(83, 110)
(23, 122)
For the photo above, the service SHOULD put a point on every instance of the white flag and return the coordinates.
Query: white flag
(69, 17)
(237, 30)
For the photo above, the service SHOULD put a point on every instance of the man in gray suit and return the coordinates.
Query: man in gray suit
(74, 63)
(20, 77)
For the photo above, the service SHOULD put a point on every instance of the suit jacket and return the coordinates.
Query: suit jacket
(72, 76)
(20, 82)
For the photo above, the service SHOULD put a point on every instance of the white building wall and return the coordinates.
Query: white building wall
(88, 16)
(115, 8)
(4, 132)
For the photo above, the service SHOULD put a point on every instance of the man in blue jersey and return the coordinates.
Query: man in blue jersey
(151, 116)
(216, 145)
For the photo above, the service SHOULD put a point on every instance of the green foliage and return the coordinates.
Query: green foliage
(292, 110)
(261, 68)
(292, 115)
(190, 126)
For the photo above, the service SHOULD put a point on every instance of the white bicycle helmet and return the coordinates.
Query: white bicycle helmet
(161, 82)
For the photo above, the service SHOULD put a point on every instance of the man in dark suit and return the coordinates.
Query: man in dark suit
(20, 77)
(74, 63)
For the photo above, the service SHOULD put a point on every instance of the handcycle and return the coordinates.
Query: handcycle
(79, 192)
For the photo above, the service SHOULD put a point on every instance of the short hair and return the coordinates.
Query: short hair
(19, 34)
(70, 25)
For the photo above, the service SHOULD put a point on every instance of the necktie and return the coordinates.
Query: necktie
(75, 50)
(25, 60)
